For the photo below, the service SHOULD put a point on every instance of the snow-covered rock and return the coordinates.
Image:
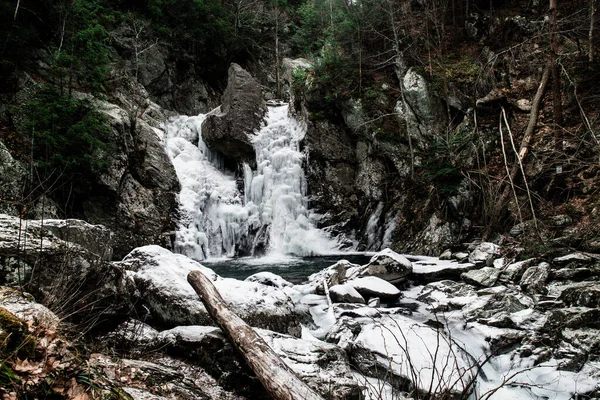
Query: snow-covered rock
(269, 279)
(387, 265)
(447, 295)
(415, 354)
(486, 276)
(345, 294)
(321, 365)
(161, 281)
(534, 278)
(372, 286)
(484, 253)
(430, 269)
(332, 275)
(514, 271)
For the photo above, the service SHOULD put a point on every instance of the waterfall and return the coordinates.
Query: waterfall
(271, 214)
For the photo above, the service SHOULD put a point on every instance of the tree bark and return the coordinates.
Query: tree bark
(556, 92)
(277, 378)
(591, 33)
(523, 149)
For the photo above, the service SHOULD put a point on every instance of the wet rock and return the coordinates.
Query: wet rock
(460, 256)
(486, 276)
(345, 293)
(162, 288)
(229, 130)
(534, 278)
(387, 265)
(372, 286)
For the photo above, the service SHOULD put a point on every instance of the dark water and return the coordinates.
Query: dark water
(292, 269)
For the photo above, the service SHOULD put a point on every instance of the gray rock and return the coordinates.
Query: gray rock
(429, 269)
(24, 306)
(584, 294)
(573, 257)
(229, 130)
(534, 279)
(44, 208)
(422, 111)
(321, 365)
(97, 239)
(513, 272)
(391, 342)
(60, 273)
(446, 255)
(460, 256)
(447, 295)
(484, 253)
(12, 182)
(486, 276)
(574, 274)
(345, 293)
(388, 265)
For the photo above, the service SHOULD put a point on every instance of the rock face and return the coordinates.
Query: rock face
(229, 130)
(421, 110)
(170, 81)
(62, 274)
(162, 289)
(12, 182)
(136, 197)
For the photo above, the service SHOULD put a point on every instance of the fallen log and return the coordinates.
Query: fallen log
(277, 378)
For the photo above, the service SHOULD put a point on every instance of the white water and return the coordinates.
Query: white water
(219, 221)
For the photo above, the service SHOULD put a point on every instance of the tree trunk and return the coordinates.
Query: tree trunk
(591, 34)
(278, 379)
(556, 92)
(523, 149)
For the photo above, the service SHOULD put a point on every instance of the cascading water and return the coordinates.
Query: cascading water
(272, 213)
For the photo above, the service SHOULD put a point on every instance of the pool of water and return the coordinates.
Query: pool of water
(293, 269)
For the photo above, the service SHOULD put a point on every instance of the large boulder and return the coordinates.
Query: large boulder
(65, 276)
(389, 266)
(162, 289)
(413, 355)
(322, 366)
(230, 130)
